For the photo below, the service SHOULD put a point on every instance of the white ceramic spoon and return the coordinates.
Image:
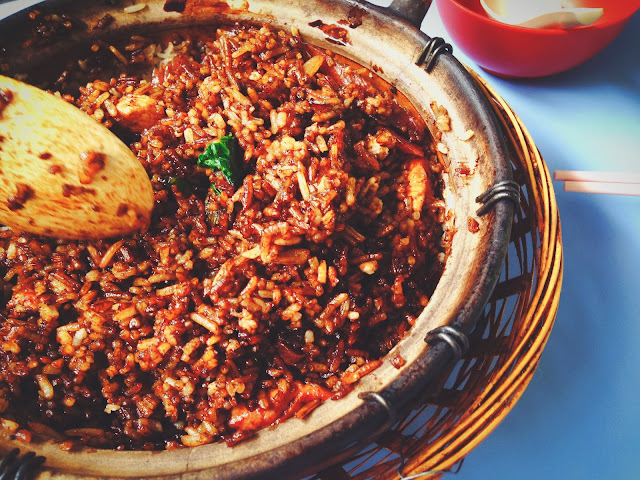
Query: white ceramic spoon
(540, 13)
(64, 175)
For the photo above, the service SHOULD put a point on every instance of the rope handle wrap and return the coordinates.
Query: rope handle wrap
(434, 47)
(376, 397)
(13, 467)
(452, 336)
(505, 190)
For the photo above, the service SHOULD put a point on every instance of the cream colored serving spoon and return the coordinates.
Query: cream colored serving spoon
(64, 175)
(541, 13)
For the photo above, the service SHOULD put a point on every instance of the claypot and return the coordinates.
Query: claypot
(389, 41)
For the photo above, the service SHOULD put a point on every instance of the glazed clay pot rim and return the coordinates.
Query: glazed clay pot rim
(469, 278)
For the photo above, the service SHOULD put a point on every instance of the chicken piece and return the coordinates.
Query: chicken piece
(419, 185)
(270, 407)
(139, 112)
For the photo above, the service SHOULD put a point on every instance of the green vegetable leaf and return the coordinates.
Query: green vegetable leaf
(182, 184)
(222, 156)
(215, 189)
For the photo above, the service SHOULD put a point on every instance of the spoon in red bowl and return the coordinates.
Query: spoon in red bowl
(541, 13)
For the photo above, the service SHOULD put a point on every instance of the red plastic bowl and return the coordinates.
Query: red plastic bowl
(512, 51)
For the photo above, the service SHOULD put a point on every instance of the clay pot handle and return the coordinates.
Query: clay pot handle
(413, 11)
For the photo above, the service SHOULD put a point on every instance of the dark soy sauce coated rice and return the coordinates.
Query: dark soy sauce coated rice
(243, 305)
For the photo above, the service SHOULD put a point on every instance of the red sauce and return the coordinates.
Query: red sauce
(398, 362)
(463, 170)
(122, 209)
(473, 225)
(193, 7)
(334, 33)
(354, 17)
(93, 163)
(24, 192)
(6, 96)
(23, 436)
(104, 22)
(53, 169)
(69, 190)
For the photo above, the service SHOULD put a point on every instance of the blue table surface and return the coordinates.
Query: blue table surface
(580, 416)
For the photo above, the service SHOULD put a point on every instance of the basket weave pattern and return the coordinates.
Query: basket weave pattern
(461, 409)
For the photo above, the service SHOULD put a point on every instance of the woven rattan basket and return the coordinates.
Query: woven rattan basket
(468, 402)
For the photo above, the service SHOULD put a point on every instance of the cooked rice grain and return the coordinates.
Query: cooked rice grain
(244, 304)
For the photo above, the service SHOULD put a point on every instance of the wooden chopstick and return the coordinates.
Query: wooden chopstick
(616, 183)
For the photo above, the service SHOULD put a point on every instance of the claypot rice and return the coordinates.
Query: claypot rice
(297, 234)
